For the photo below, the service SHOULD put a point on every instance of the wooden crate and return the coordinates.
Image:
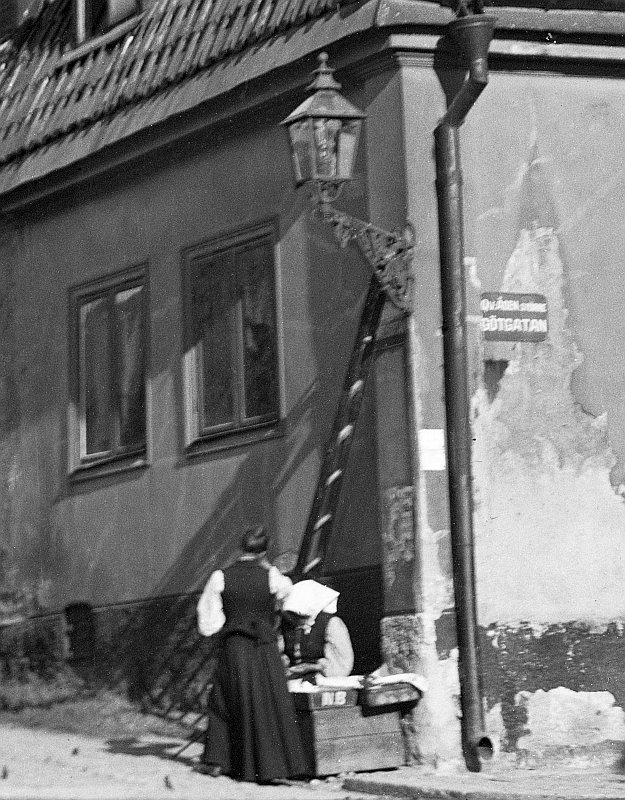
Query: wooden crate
(341, 736)
(390, 694)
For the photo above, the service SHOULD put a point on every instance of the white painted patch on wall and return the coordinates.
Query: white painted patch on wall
(562, 717)
(432, 449)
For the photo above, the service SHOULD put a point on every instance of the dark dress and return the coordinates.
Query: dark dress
(252, 732)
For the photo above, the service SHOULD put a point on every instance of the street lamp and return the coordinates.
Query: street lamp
(323, 135)
(324, 132)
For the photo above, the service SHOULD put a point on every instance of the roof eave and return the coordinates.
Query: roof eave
(182, 109)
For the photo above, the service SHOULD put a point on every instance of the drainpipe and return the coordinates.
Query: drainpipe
(473, 34)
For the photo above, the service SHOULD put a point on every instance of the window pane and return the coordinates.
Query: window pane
(95, 381)
(119, 10)
(259, 331)
(131, 366)
(212, 299)
(96, 14)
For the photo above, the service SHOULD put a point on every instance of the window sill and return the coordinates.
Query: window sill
(232, 439)
(87, 472)
(86, 47)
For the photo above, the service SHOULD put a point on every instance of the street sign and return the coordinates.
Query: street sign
(514, 317)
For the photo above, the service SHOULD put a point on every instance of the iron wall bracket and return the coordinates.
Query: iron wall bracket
(389, 253)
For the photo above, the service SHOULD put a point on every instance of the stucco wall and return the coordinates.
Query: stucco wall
(544, 191)
(162, 529)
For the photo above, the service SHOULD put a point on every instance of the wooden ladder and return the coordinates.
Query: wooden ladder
(322, 516)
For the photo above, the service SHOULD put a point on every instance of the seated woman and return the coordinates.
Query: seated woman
(315, 640)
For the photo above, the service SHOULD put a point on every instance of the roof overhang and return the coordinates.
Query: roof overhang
(281, 67)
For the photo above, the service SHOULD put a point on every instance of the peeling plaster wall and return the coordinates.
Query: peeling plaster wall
(542, 473)
(544, 214)
(522, 661)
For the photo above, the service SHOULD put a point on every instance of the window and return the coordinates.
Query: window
(231, 353)
(93, 17)
(109, 348)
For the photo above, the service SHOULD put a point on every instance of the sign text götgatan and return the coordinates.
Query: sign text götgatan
(514, 317)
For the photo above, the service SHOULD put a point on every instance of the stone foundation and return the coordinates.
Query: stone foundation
(152, 649)
(33, 663)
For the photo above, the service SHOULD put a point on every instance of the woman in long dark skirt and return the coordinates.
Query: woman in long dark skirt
(252, 734)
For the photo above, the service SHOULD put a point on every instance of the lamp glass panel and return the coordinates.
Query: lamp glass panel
(348, 143)
(326, 133)
(302, 150)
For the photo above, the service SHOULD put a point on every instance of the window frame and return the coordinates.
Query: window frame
(198, 440)
(119, 458)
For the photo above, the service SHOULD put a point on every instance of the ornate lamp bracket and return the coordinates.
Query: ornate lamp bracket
(389, 253)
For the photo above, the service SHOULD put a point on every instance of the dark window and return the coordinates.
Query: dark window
(232, 361)
(109, 404)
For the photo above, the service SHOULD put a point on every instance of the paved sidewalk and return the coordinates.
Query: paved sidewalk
(502, 780)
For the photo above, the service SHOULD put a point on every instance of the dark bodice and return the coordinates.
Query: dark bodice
(248, 604)
(306, 648)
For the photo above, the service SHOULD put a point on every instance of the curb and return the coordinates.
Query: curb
(416, 790)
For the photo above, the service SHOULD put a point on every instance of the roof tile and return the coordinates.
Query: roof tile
(47, 87)
(44, 91)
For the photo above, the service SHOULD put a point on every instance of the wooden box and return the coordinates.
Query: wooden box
(391, 694)
(339, 735)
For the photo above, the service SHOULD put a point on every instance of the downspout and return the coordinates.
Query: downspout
(473, 33)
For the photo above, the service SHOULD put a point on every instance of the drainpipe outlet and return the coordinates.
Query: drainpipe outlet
(477, 751)
(473, 35)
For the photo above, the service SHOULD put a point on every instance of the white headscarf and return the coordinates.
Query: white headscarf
(309, 598)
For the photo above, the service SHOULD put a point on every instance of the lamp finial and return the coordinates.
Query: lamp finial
(324, 75)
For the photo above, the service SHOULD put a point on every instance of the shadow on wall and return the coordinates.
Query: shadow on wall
(162, 656)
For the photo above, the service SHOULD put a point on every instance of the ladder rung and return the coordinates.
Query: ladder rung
(345, 433)
(356, 387)
(336, 474)
(321, 522)
(312, 564)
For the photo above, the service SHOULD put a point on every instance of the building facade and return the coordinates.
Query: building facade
(176, 326)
